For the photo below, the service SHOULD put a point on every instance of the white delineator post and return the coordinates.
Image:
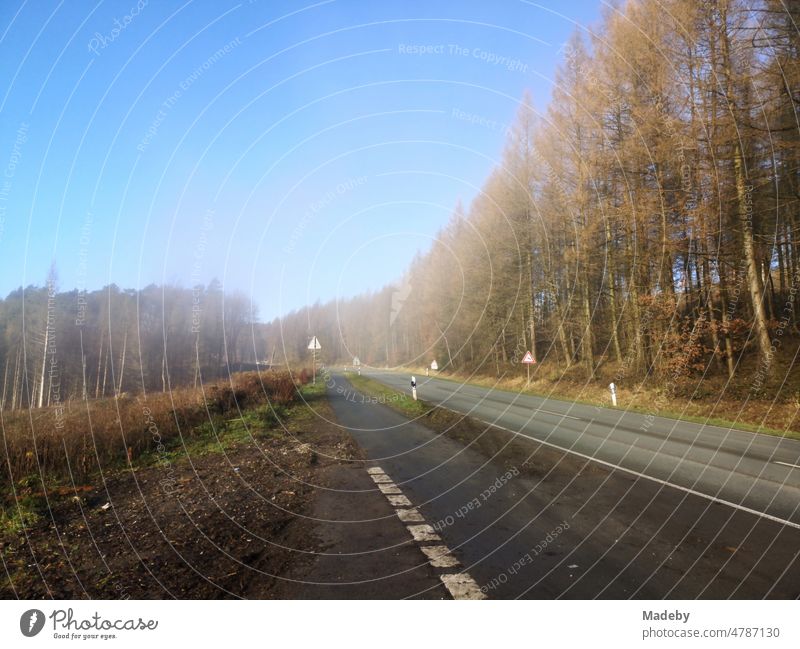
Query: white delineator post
(613, 389)
(414, 388)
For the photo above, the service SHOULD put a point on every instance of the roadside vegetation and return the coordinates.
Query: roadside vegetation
(223, 508)
(42, 461)
(382, 393)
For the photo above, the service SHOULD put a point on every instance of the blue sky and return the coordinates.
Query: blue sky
(294, 150)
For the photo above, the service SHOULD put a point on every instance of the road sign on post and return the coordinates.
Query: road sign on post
(434, 366)
(314, 346)
(529, 360)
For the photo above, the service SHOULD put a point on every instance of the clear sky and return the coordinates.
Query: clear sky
(294, 150)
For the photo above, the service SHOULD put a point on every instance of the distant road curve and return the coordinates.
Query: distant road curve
(751, 472)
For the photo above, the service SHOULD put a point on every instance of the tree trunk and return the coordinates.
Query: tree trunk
(5, 385)
(105, 365)
(84, 390)
(122, 364)
(99, 363)
(532, 304)
(744, 205)
(612, 290)
(587, 344)
(709, 296)
(40, 401)
(14, 398)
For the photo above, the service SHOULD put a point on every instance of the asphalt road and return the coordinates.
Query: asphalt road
(576, 528)
(757, 472)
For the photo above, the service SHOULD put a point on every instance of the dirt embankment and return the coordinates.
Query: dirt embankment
(225, 517)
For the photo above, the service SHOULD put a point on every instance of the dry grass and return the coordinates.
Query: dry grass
(43, 444)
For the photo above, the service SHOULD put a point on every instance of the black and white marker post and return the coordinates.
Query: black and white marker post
(414, 387)
(613, 389)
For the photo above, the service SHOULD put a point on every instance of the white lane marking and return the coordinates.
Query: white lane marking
(638, 474)
(550, 412)
(379, 478)
(410, 515)
(794, 466)
(423, 532)
(440, 556)
(462, 586)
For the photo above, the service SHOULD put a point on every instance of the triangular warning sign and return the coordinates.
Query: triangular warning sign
(528, 358)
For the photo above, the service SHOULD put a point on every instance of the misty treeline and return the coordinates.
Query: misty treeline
(645, 223)
(60, 346)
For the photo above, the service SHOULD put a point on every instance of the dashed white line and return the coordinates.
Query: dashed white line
(379, 478)
(399, 501)
(410, 515)
(460, 585)
(423, 533)
(439, 556)
(794, 466)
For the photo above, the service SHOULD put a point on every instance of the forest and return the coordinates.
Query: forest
(645, 225)
(61, 346)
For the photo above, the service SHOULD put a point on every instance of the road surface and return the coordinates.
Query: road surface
(760, 473)
(572, 527)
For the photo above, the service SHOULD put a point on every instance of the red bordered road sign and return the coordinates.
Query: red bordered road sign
(528, 359)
